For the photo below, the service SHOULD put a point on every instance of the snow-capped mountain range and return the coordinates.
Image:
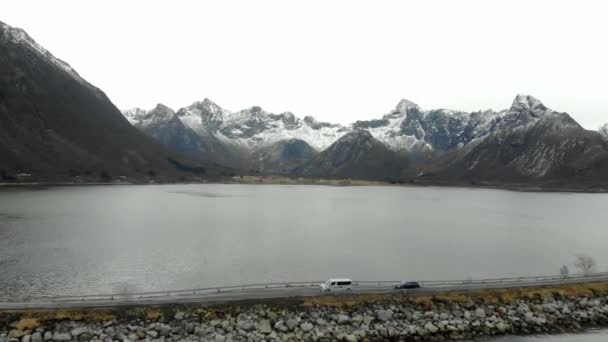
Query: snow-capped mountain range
(56, 125)
(405, 128)
(526, 140)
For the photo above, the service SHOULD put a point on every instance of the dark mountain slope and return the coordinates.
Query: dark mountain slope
(164, 125)
(283, 156)
(54, 124)
(355, 155)
(531, 144)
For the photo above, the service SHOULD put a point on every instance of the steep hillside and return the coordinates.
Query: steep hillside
(532, 144)
(55, 125)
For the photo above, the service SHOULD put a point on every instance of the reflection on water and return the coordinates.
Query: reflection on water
(77, 240)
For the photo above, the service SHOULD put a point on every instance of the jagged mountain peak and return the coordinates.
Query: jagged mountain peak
(162, 110)
(208, 103)
(139, 116)
(134, 115)
(529, 104)
(404, 105)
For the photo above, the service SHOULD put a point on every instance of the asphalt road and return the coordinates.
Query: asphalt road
(224, 296)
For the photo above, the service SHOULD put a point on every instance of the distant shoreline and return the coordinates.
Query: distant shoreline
(277, 180)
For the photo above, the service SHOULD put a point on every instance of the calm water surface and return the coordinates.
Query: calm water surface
(97, 239)
(591, 336)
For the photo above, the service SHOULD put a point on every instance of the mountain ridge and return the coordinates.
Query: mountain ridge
(56, 125)
(437, 143)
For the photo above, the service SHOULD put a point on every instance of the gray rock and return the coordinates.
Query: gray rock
(384, 315)
(292, 323)
(26, 338)
(306, 327)
(85, 337)
(351, 338)
(367, 320)
(431, 328)
(179, 315)
(62, 336)
(219, 338)
(152, 333)
(343, 319)
(37, 337)
(502, 327)
(79, 330)
(246, 326)
(110, 331)
(420, 331)
(264, 326)
(271, 315)
(480, 313)
(280, 326)
(522, 309)
(48, 336)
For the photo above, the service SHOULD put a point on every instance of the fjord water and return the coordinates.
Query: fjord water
(589, 336)
(102, 239)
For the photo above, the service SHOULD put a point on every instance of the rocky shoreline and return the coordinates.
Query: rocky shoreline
(340, 318)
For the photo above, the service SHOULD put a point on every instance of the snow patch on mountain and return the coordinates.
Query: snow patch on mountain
(256, 128)
(408, 127)
(604, 131)
(134, 115)
(142, 117)
(405, 128)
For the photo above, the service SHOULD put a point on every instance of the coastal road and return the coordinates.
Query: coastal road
(285, 291)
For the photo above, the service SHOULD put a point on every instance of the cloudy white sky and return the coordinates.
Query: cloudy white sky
(336, 60)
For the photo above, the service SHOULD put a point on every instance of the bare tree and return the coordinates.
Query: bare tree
(585, 264)
(564, 271)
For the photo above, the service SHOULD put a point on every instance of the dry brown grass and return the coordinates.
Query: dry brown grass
(27, 324)
(153, 313)
(95, 315)
(494, 296)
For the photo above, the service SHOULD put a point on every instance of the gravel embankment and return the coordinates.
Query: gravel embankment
(407, 320)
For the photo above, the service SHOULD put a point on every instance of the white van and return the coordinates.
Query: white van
(337, 285)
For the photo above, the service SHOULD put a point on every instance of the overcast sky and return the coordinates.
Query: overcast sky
(336, 60)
